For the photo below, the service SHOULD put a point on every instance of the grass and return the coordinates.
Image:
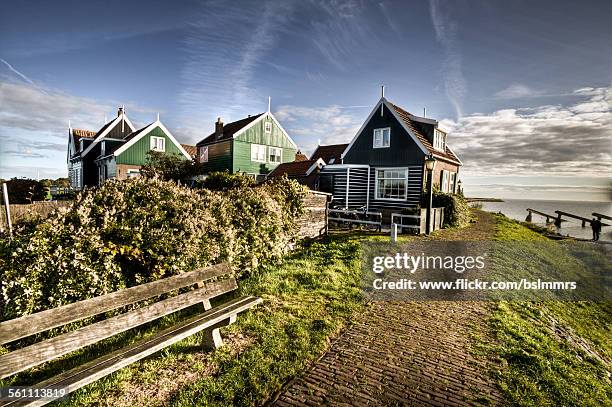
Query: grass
(552, 353)
(308, 299)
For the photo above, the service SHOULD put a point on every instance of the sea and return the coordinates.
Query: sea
(516, 209)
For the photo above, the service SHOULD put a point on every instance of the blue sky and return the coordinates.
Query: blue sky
(525, 87)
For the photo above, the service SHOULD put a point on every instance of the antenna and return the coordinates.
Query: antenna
(382, 96)
(319, 142)
(122, 118)
(157, 116)
(424, 112)
(69, 125)
(269, 103)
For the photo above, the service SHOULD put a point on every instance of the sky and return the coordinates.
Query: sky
(524, 87)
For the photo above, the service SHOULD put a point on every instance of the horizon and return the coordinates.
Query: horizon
(526, 100)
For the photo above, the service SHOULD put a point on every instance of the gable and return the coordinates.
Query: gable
(403, 149)
(255, 133)
(135, 151)
(118, 128)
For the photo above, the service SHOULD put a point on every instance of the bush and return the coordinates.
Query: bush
(223, 181)
(456, 208)
(131, 232)
(168, 166)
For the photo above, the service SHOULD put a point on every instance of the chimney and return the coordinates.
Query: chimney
(120, 111)
(218, 129)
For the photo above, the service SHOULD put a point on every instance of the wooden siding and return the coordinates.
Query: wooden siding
(219, 157)
(256, 134)
(402, 152)
(137, 153)
(242, 158)
(335, 176)
(118, 132)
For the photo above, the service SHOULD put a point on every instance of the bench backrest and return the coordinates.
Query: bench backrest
(38, 353)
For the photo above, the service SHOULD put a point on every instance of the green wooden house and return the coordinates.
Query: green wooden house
(254, 146)
(117, 150)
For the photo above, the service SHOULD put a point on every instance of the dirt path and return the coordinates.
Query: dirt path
(405, 353)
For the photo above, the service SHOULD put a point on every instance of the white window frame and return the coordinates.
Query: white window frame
(444, 181)
(381, 131)
(452, 182)
(132, 173)
(439, 140)
(203, 154)
(154, 144)
(268, 127)
(258, 153)
(377, 178)
(279, 155)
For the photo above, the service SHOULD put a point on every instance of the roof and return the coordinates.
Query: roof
(136, 133)
(294, 169)
(326, 153)
(411, 123)
(77, 134)
(229, 129)
(299, 156)
(191, 150)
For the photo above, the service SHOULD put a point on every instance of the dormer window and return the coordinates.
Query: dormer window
(382, 137)
(439, 140)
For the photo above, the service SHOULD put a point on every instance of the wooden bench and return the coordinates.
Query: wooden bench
(208, 283)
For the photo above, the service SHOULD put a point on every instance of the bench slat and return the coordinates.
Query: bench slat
(33, 355)
(98, 368)
(43, 321)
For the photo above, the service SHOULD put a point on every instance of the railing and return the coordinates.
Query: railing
(401, 225)
(358, 217)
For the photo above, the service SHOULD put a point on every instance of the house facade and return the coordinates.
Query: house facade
(254, 146)
(117, 150)
(383, 167)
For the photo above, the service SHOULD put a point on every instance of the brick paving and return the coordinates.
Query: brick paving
(404, 353)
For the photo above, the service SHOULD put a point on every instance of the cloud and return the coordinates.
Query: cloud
(454, 82)
(545, 140)
(517, 90)
(223, 49)
(330, 124)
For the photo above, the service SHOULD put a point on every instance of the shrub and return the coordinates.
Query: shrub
(223, 181)
(456, 208)
(131, 232)
(168, 166)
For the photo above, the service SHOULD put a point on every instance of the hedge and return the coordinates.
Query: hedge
(130, 232)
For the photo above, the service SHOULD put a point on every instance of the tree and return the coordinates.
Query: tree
(168, 166)
(25, 191)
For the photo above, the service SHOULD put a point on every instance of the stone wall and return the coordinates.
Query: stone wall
(313, 222)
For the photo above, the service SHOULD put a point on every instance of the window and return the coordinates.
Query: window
(444, 181)
(132, 173)
(452, 183)
(268, 127)
(275, 154)
(439, 140)
(382, 137)
(204, 154)
(158, 144)
(258, 153)
(392, 183)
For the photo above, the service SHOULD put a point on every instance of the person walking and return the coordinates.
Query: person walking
(596, 226)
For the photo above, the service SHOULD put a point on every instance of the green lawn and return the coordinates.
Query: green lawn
(551, 353)
(307, 300)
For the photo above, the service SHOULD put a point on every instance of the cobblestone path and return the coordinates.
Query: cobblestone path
(405, 353)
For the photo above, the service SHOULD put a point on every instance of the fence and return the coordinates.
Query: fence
(20, 212)
(418, 223)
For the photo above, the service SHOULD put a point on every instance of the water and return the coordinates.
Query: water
(516, 209)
